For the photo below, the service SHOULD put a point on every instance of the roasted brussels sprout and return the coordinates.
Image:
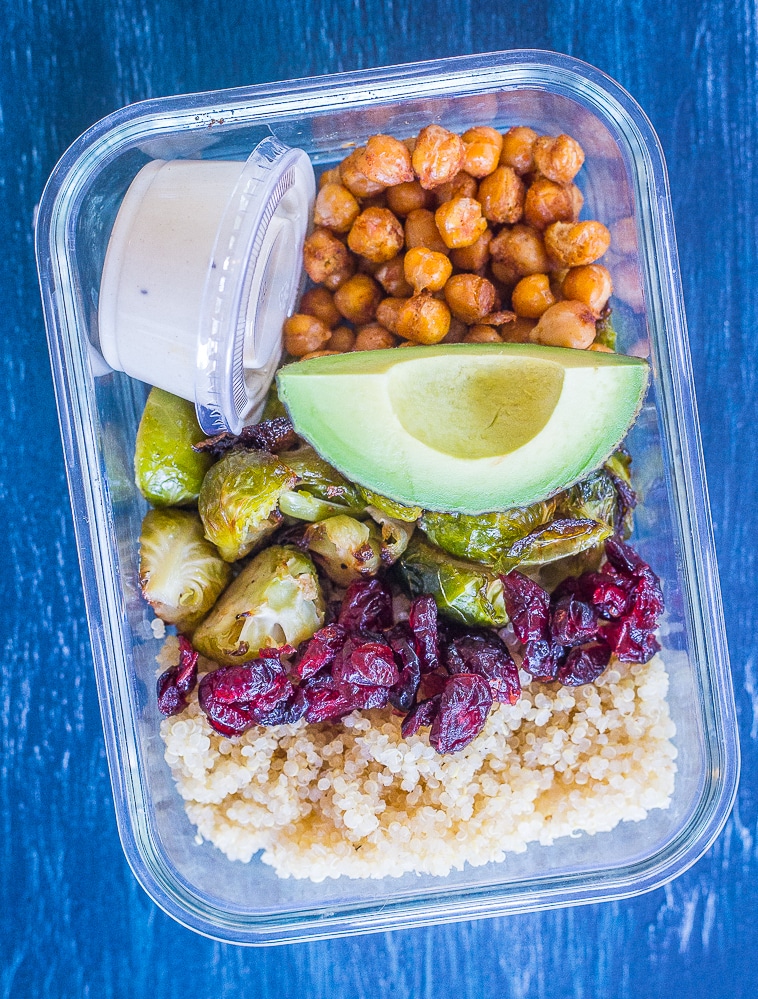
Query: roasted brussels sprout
(180, 571)
(557, 539)
(320, 490)
(238, 500)
(346, 548)
(398, 511)
(487, 537)
(618, 467)
(395, 534)
(464, 591)
(167, 471)
(276, 600)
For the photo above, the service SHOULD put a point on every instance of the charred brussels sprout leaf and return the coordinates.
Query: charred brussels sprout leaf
(346, 548)
(238, 500)
(559, 538)
(463, 591)
(396, 534)
(167, 471)
(320, 491)
(398, 511)
(488, 537)
(276, 600)
(181, 572)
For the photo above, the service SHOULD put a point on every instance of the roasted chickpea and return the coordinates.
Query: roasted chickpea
(327, 261)
(376, 235)
(519, 331)
(423, 319)
(470, 297)
(354, 179)
(303, 334)
(522, 248)
(388, 311)
(460, 222)
(426, 269)
(319, 302)
(590, 284)
(405, 198)
(319, 353)
(478, 333)
(498, 318)
(385, 160)
(547, 202)
(502, 195)
(518, 149)
(456, 332)
(358, 298)
(462, 185)
(421, 230)
(335, 208)
(330, 176)
(342, 340)
(374, 337)
(566, 324)
(559, 159)
(474, 257)
(504, 273)
(437, 156)
(391, 276)
(574, 244)
(481, 150)
(532, 296)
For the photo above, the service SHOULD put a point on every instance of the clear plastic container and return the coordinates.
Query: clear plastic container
(624, 184)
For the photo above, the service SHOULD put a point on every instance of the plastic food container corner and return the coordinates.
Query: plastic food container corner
(624, 183)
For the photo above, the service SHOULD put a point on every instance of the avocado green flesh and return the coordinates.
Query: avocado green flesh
(465, 427)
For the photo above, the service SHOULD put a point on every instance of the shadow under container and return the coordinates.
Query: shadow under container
(624, 184)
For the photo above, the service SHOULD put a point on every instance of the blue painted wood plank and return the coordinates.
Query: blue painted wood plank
(73, 920)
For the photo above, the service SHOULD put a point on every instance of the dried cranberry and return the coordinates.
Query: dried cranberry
(527, 605)
(610, 595)
(542, 659)
(369, 664)
(174, 685)
(423, 621)
(572, 621)
(321, 649)
(367, 606)
(484, 653)
(403, 693)
(623, 557)
(285, 712)
(584, 664)
(421, 716)
(186, 673)
(630, 643)
(277, 652)
(227, 719)
(432, 684)
(464, 706)
(171, 700)
(323, 699)
(647, 599)
(364, 696)
(259, 683)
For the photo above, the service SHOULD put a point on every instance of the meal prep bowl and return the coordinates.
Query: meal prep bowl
(624, 184)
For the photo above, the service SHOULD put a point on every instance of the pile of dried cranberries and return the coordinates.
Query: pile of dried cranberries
(433, 672)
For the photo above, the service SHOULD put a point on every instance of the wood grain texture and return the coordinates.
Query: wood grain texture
(73, 921)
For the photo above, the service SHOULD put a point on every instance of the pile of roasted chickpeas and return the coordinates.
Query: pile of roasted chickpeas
(447, 239)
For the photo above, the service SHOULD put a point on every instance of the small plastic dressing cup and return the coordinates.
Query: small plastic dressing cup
(203, 266)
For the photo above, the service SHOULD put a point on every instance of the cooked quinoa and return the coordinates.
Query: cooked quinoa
(354, 798)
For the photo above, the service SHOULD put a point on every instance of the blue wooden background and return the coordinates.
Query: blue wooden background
(73, 922)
